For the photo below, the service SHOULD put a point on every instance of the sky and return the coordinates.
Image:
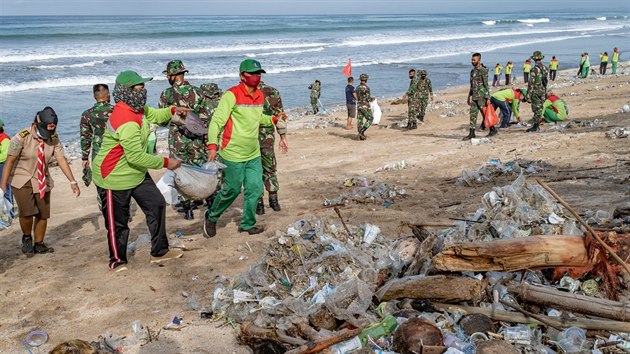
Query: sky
(295, 7)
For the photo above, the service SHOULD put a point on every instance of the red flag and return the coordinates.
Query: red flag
(347, 70)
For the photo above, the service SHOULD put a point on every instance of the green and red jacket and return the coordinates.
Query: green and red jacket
(123, 161)
(5, 140)
(240, 115)
(557, 105)
(510, 96)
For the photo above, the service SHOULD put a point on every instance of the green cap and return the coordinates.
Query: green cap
(363, 77)
(174, 67)
(131, 78)
(1, 123)
(250, 66)
(524, 92)
(537, 55)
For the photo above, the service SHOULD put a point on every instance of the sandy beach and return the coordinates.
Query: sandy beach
(72, 293)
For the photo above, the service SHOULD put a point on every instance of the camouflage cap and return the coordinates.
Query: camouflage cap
(537, 55)
(422, 72)
(210, 89)
(174, 67)
(363, 77)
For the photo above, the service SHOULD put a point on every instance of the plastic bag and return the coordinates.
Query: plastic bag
(376, 112)
(6, 211)
(197, 183)
(166, 186)
(490, 117)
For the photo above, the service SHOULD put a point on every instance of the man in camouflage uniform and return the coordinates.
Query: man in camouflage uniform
(188, 149)
(425, 92)
(93, 124)
(212, 95)
(266, 138)
(479, 94)
(364, 117)
(413, 105)
(315, 88)
(536, 89)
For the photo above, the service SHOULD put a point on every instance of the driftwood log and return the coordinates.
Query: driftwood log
(445, 288)
(325, 342)
(514, 317)
(514, 254)
(571, 302)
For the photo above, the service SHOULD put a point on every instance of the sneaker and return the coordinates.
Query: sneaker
(171, 254)
(40, 247)
(118, 266)
(209, 227)
(27, 244)
(253, 231)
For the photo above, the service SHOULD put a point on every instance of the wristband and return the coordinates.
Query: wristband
(73, 182)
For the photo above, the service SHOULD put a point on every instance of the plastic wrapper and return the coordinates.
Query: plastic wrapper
(6, 211)
(166, 185)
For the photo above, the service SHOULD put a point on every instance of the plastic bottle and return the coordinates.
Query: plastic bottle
(347, 346)
(454, 342)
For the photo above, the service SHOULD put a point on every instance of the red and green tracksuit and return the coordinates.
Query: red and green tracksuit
(120, 172)
(239, 115)
(555, 109)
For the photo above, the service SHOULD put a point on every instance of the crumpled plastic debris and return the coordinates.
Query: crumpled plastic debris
(364, 191)
(494, 168)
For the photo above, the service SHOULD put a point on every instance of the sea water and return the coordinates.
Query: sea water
(55, 60)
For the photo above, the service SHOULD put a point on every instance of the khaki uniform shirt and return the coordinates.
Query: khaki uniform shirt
(25, 147)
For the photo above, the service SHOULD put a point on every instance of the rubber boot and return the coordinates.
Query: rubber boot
(534, 128)
(210, 200)
(273, 201)
(408, 126)
(414, 125)
(471, 134)
(187, 210)
(362, 133)
(260, 207)
(493, 131)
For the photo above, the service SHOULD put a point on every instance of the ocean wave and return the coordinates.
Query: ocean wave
(55, 83)
(534, 20)
(603, 18)
(415, 38)
(12, 58)
(67, 66)
(489, 23)
(286, 52)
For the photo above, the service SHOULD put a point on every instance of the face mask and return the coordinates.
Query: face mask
(171, 81)
(251, 81)
(410, 77)
(423, 76)
(136, 99)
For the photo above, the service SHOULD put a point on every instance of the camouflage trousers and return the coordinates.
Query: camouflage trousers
(424, 102)
(267, 139)
(364, 117)
(314, 104)
(537, 107)
(413, 109)
(475, 108)
(190, 151)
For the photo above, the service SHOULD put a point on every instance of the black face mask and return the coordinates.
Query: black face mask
(171, 81)
(411, 77)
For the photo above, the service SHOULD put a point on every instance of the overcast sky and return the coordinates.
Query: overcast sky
(296, 7)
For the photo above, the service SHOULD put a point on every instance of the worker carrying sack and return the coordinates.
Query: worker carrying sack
(197, 183)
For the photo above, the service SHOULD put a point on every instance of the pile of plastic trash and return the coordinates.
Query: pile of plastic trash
(324, 276)
(494, 168)
(362, 190)
(516, 210)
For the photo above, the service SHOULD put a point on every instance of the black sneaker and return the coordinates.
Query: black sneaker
(118, 266)
(209, 227)
(27, 244)
(253, 231)
(40, 247)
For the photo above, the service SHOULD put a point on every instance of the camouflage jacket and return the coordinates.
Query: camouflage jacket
(479, 84)
(273, 106)
(537, 83)
(425, 89)
(211, 104)
(315, 90)
(93, 125)
(363, 96)
(185, 95)
(412, 91)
